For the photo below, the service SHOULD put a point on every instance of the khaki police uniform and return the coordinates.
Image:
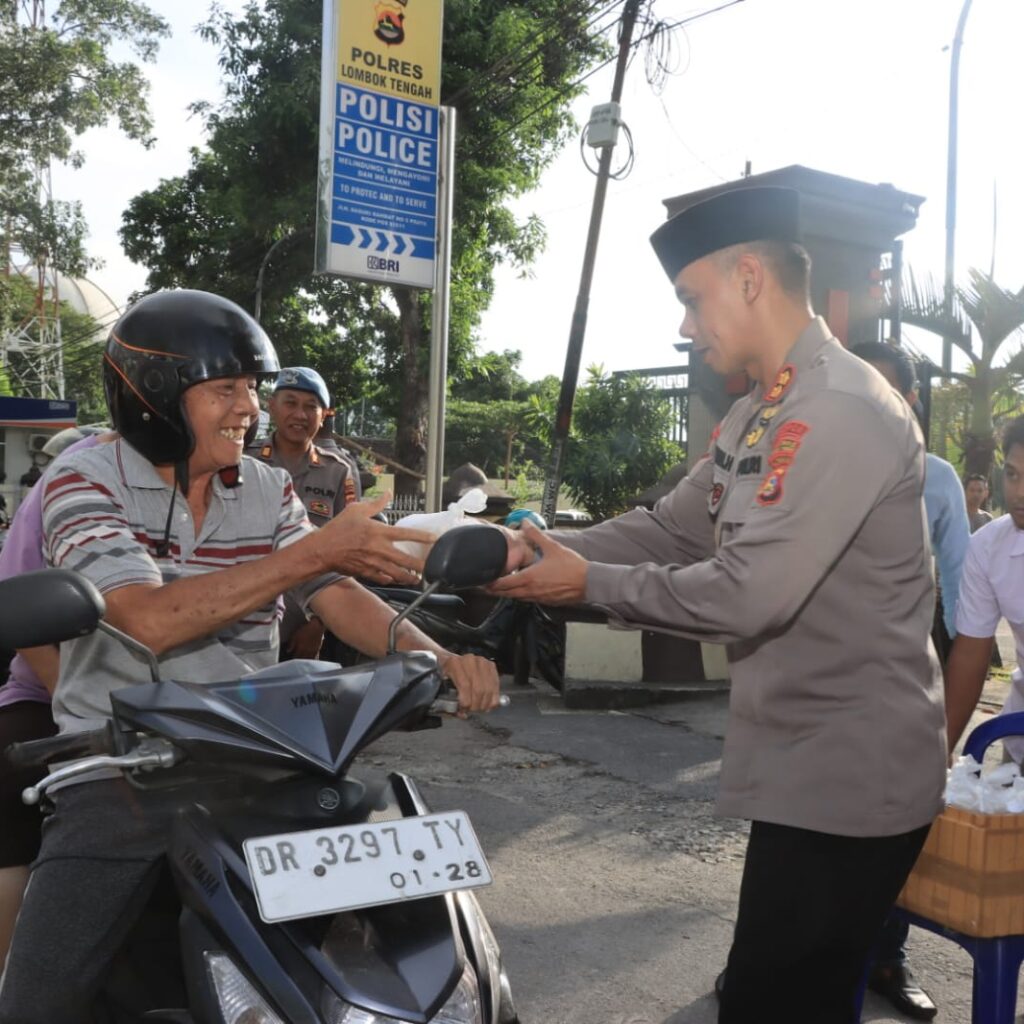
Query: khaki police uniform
(799, 541)
(324, 481)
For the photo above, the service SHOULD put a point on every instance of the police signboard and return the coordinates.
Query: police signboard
(381, 82)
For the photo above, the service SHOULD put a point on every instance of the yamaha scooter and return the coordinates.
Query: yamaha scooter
(299, 889)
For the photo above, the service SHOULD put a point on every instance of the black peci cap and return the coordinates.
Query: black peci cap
(741, 215)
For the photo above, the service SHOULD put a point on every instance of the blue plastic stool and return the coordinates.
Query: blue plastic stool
(997, 961)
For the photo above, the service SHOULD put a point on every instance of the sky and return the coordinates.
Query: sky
(852, 87)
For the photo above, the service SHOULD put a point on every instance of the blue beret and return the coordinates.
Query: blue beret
(302, 378)
(741, 215)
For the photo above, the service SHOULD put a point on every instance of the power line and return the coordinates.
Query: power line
(600, 67)
(505, 67)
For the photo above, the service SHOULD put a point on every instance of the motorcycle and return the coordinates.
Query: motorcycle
(521, 639)
(297, 889)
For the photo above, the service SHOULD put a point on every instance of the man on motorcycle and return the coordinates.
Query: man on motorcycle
(191, 545)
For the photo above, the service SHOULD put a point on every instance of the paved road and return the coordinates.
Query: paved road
(615, 886)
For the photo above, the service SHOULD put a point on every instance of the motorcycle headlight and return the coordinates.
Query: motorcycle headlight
(463, 1007)
(239, 1001)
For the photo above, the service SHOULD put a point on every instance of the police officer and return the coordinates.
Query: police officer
(324, 479)
(799, 542)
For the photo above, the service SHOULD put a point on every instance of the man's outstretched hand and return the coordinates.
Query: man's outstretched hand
(355, 543)
(556, 575)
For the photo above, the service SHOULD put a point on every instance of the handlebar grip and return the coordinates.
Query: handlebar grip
(33, 753)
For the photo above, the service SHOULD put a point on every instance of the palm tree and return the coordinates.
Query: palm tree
(983, 318)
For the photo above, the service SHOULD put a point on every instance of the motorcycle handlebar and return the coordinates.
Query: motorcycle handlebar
(32, 753)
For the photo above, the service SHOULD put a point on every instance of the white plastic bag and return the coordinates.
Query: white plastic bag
(999, 790)
(472, 502)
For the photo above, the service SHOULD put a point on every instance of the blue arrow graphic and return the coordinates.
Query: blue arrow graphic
(366, 238)
(382, 242)
(399, 245)
(423, 248)
(342, 234)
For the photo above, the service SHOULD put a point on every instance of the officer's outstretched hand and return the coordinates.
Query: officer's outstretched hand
(556, 576)
(355, 543)
(475, 679)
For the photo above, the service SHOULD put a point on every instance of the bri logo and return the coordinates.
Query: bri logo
(382, 263)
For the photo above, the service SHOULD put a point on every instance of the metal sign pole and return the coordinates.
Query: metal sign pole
(439, 310)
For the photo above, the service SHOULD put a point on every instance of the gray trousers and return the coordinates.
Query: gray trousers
(100, 857)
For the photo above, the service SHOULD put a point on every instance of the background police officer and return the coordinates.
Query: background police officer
(325, 479)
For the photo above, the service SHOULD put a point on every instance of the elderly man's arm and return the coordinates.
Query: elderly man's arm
(85, 529)
(361, 619)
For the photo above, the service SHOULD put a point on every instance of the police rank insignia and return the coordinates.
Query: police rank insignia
(787, 443)
(320, 508)
(755, 435)
(782, 383)
(768, 414)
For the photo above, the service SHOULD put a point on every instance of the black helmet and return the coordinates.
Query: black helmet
(164, 344)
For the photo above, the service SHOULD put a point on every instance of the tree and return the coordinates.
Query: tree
(619, 442)
(509, 65)
(57, 80)
(995, 315)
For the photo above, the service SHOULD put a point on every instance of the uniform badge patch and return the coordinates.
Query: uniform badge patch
(770, 490)
(716, 494)
(320, 508)
(787, 443)
(350, 490)
(782, 383)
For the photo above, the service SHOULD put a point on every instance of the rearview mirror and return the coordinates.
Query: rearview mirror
(47, 607)
(468, 556)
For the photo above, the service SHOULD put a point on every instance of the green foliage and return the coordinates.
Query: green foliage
(484, 433)
(255, 184)
(619, 441)
(57, 81)
(983, 319)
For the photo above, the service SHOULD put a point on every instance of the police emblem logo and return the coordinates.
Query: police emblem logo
(389, 22)
(716, 494)
(787, 443)
(350, 490)
(288, 377)
(320, 508)
(770, 490)
(782, 383)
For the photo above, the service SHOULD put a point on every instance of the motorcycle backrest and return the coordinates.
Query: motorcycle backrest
(468, 556)
(46, 607)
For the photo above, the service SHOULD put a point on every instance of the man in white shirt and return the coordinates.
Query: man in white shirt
(991, 588)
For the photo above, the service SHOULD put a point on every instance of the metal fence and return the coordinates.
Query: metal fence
(404, 505)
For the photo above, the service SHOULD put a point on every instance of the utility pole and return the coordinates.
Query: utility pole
(951, 154)
(578, 330)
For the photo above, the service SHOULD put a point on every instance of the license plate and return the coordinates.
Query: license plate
(328, 870)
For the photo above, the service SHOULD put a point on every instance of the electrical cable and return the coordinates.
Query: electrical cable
(509, 70)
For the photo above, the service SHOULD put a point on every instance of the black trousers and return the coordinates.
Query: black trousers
(100, 858)
(811, 908)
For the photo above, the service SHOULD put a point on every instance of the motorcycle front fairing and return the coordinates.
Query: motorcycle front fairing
(305, 722)
(401, 960)
(299, 715)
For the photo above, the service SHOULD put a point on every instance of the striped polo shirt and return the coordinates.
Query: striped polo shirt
(104, 515)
